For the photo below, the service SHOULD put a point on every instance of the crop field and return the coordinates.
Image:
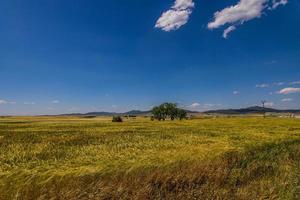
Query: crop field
(93, 158)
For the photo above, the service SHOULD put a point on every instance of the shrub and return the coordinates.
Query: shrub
(117, 119)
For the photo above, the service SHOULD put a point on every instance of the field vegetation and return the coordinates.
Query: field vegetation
(205, 158)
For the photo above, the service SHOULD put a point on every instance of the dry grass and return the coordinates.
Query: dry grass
(76, 158)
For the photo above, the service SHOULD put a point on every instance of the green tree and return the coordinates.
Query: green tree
(182, 114)
(158, 113)
(168, 110)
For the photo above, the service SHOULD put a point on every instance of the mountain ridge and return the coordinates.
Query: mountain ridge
(248, 110)
(251, 110)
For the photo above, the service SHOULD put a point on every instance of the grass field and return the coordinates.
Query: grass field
(221, 158)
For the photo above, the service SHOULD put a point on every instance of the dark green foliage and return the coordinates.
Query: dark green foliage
(168, 110)
(182, 114)
(117, 119)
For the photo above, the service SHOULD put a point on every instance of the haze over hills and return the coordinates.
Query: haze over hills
(102, 113)
(132, 112)
(249, 110)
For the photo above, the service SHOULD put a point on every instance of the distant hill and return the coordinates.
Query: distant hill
(132, 112)
(250, 110)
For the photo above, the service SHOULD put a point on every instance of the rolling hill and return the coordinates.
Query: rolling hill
(250, 110)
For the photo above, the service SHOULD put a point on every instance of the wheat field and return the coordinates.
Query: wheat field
(205, 158)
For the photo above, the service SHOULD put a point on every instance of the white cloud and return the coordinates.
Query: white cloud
(263, 85)
(2, 101)
(55, 101)
(286, 99)
(194, 105)
(243, 11)
(183, 4)
(228, 30)
(289, 90)
(276, 3)
(177, 16)
(269, 104)
(235, 92)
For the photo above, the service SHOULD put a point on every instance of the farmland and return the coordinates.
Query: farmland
(205, 158)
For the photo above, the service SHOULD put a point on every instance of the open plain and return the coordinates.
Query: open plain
(204, 158)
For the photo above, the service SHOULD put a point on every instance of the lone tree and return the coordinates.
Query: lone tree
(168, 110)
(182, 114)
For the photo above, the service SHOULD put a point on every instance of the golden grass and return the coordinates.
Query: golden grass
(93, 158)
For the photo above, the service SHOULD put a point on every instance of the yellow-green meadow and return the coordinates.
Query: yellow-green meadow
(205, 158)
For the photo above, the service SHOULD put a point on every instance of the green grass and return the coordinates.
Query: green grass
(221, 158)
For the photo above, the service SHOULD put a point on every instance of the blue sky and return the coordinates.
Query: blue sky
(64, 56)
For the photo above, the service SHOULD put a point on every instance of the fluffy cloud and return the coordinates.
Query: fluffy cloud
(55, 101)
(289, 90)
(243, 11)
(194, 105)
(183, 4)
(177, 16)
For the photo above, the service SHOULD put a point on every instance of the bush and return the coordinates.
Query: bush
(117, 119)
